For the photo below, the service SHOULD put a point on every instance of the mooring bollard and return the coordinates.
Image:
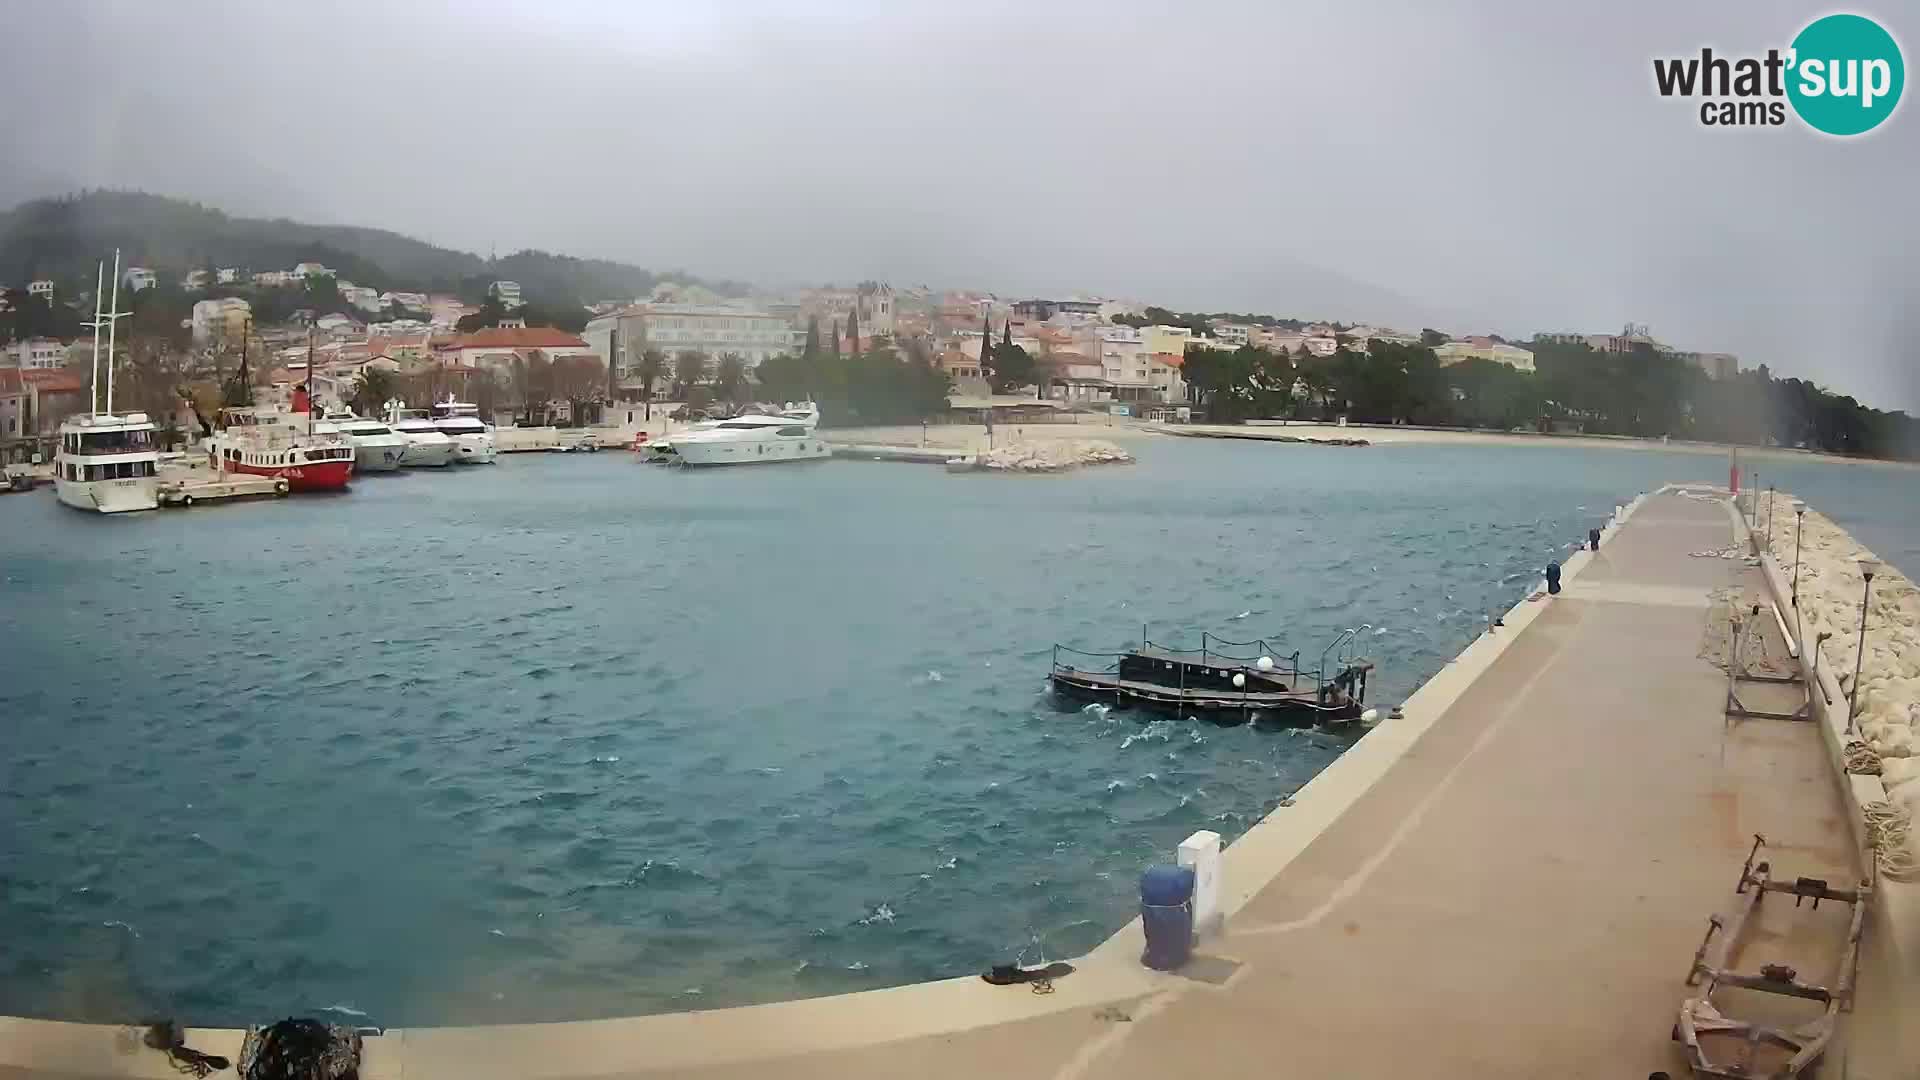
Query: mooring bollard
(1593, 539)
(1553, 579)
(1201, 854)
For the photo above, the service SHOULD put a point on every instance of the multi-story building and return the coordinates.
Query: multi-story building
(37, 354)
(224, 319)
(42, 288)
(1126, 361)
(495, 348)
(872, 302)
(1234, 334)
(137, 278)
(274, 279)
(1484, 348)
(1167, 339)
(1165, 377)
(311, 269)
(507, 292)
(360, 296)
(621, 337)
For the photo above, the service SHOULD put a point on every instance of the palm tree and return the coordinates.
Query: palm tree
(732, 376)
(375, 389)
(689, 370)
(653, 363)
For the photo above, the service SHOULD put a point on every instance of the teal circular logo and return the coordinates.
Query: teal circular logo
(1845, 74)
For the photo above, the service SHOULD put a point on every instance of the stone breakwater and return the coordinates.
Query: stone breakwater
(1054, 455)
(1830, 588)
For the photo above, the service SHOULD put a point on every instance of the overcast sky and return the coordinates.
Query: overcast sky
(1477, 166)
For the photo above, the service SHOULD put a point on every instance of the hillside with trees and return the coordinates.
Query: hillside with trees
(64, 238)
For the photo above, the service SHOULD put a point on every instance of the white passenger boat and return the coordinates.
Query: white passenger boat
(806, 414)
(106, 463)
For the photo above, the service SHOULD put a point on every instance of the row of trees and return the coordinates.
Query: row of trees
(1643, 393)
(877, 386)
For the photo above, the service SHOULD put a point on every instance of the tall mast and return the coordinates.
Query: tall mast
(99, 287)
(113, 319)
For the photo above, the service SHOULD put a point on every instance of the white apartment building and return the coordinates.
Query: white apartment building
(676, 328)
(37, 354)
(360, 296)
(311, 269)
(1484, 348)
(507, 292)
(1234, 334)
(139, 277)
(224, 318)
(1125, 361)
(42, 289)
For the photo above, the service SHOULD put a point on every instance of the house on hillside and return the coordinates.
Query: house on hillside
(495, 348)
(36, 354)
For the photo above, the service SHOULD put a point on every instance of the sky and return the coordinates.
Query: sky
(1477, 166)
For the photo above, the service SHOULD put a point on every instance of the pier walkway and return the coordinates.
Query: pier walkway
(1509, 882)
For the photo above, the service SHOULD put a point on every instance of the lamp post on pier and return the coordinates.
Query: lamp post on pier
(1868, 567)
(1799, 522)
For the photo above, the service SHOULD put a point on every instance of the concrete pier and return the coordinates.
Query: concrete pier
(1509, 881)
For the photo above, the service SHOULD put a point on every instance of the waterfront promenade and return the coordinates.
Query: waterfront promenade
(1508, 881)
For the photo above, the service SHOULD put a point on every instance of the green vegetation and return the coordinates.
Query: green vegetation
(1642, 393)
(64, 238)
(874, 387)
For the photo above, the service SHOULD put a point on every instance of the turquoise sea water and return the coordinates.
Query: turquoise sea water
(572, 737)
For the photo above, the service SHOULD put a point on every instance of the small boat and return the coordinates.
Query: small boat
(472, 437)
(1229, 682)
(267, 441)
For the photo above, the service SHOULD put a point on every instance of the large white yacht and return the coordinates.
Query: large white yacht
(472, 437)
(805, 413)
(749, 440)
(376, 447)
(107, 463)
(427, 446)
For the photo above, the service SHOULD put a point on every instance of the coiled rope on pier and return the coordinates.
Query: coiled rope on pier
(1890, 828)
(1861, 760)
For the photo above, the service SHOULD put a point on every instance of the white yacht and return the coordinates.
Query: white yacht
(107, 463)
(472, 437)
(805, 413)
(376, 447)
(749, 440)
(427, 446)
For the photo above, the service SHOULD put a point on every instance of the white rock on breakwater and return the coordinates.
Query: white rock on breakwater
(1830, 591)
(1054, 455)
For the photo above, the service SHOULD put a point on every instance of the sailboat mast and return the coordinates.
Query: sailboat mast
(99, 287)
(113, 318)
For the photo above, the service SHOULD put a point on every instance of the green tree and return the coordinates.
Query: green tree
(986, 349)
(372, 390)
(690, 369)
(811, 350)
(652, 364)
(1012, 368)
(853, 329)
(730, 377)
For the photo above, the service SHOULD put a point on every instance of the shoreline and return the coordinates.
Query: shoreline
(973, 438)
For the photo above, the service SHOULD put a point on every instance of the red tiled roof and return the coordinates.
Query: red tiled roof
(54, 382)
(523, 337)
(1171, 359)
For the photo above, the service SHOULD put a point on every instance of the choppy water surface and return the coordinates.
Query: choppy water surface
(572, 737)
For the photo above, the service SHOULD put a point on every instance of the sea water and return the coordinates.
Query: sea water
(571, 736)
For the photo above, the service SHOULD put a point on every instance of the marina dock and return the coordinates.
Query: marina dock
(1509, 880)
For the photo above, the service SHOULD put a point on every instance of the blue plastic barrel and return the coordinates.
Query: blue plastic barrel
(1166, 913)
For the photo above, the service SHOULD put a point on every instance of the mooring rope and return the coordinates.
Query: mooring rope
(1861, 759)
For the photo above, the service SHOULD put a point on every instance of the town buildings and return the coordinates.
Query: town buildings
(1484, 348)
(36, 354)
(619, 338)
(223, 319)
(507, 292)
(138, 278)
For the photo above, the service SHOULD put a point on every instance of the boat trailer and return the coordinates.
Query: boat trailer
(1791, 1050)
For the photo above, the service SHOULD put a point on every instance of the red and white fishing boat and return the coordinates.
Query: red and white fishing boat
(281, 443)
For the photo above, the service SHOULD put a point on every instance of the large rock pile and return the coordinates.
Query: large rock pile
(1052, 455)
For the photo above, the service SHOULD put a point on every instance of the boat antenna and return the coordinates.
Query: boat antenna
(113, 318)
(309, 379)
(99, 289)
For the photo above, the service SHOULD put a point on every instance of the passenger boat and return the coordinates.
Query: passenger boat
(1229, 682)
(472, 437)
(106, 463)
(269, 441)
